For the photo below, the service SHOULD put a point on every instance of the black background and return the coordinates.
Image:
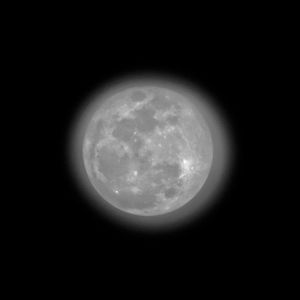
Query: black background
(67, 64)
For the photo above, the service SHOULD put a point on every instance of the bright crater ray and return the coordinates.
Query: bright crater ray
(148, 151)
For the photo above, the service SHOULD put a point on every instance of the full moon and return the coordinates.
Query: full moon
(147, 150)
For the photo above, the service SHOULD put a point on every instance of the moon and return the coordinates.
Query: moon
(147, 150)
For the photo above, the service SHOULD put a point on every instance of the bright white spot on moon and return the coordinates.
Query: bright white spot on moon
(152, 153)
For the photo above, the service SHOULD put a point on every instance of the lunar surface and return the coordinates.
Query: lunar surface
(147, 150)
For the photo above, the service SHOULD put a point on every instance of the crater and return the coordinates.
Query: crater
(173, 120)
(170, 192)
(124, 129)
(138, 96)
(111, 164)
(160, 102)
(145, 121)
(167, 172)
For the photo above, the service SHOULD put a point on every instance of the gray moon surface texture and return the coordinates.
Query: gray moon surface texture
(147, 150)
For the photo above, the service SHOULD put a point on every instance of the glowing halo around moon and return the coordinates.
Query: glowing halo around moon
(220, 170)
